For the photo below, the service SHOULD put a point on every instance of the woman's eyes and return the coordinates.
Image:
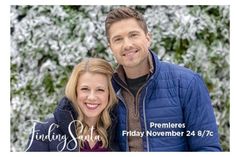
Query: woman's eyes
(99, 90)
(84, 89)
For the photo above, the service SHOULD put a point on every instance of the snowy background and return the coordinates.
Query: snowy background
(47, 41)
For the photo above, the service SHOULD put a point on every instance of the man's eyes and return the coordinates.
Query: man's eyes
(117, 39)
(134, 35)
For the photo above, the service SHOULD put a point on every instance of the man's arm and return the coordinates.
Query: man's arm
(199, 117)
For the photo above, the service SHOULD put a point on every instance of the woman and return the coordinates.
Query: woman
(83, 120)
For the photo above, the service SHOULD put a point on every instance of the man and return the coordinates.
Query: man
(162, 107)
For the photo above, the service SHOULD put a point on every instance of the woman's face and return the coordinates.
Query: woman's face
(92, 94)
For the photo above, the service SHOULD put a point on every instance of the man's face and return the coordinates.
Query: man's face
(129, 43)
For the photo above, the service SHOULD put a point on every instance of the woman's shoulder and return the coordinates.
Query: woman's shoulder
(47, 123)
(38, 139)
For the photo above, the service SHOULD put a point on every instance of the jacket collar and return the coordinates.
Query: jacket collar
(64, 114)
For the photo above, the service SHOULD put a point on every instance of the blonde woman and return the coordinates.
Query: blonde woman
(83, 120)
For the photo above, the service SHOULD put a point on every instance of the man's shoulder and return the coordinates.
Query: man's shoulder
(176, 71)
(168, 70)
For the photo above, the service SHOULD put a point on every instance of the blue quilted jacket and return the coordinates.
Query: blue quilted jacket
(176, 101)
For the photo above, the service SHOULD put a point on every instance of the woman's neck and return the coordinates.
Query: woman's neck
(91, 122)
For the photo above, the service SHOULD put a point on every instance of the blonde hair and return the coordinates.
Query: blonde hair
(93, 65)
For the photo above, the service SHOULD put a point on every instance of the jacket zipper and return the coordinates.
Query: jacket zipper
(145, 121)
(135, 100)
(121, 98)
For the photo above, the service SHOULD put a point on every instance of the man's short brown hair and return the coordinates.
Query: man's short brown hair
(124, 13)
